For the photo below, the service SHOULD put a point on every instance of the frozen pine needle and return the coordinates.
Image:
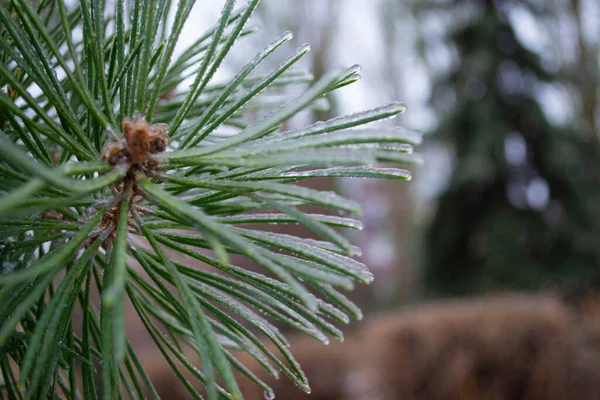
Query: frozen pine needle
(116, 181)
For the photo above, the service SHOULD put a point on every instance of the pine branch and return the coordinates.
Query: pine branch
(101, 151)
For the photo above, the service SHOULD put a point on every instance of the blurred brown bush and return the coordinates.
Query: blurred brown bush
(508, 347)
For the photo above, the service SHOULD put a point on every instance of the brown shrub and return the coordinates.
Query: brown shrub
(502, 347)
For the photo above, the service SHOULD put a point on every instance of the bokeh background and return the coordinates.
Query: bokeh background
(506, 93)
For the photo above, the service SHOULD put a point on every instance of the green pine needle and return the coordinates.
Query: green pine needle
(107, 166)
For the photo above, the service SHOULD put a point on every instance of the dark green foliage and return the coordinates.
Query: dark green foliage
(487, 233)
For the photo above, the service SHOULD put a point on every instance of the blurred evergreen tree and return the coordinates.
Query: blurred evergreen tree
(518, 211)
